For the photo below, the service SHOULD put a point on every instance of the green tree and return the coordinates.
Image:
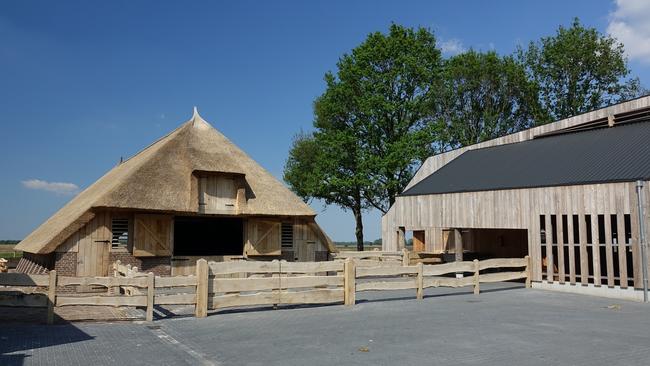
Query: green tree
(578, 70)
(486, 96)
(373, 124)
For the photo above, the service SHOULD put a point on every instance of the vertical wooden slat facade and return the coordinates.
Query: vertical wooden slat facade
(571, 258)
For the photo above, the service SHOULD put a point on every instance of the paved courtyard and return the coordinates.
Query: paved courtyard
(505, 325)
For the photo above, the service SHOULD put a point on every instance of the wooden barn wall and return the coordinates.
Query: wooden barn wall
(519, 209)
(92, 245)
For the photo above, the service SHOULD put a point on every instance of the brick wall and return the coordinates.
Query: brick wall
(66, 264)
(160, 266)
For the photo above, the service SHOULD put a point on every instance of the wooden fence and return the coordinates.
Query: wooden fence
(275, 283)
(219, 285)
(371, 258)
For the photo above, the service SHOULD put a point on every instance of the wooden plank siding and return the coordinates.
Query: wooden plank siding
(572, 257)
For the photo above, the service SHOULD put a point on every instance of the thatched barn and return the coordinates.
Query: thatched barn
(564, 193)
(192, 194)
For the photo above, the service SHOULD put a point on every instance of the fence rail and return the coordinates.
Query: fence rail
(219, 285)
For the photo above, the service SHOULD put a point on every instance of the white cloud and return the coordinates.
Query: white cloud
(630, 24)
(56, 187)
(451, 47)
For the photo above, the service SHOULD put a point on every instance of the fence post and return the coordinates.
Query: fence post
(115, 290)
(349, 281)
(477, 282)
(406, 260)
(420, 281)
(150, 294)
(528, 271)
(51, 297)
(201, 310)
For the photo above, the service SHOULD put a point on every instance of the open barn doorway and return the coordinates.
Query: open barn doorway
(212, 238)
(497, 243)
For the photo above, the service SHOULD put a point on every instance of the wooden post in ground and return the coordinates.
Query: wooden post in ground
(115, 290)
(406, 258)
(349, 282)
(420, 281)
(477, 279)
(458, 249)
(529, 268)
(51, 297)
(150, 294)
(201, 310)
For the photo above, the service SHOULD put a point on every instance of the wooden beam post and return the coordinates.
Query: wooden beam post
(458, 249)
(420, 281)
(349, 282)
(401, 238)
(51, 297)
(477, 278)
(458, 245)
(529, 269)
(201, 310)
(406, 257)
(150, 294)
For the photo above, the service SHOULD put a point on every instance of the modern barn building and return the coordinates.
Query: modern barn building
(564, 193)
(192, 194)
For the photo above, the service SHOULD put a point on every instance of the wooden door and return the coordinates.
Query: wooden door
(263, 237)
(418, 241)
(93, 254)
(306, 250)
(152, 236)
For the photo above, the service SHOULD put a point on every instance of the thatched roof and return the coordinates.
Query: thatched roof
(158, 178)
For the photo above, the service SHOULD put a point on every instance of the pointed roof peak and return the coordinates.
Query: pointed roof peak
(197, 120)
(195, 114)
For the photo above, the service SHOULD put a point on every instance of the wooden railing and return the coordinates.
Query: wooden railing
(419, 276)
(231, 284)
(372, 258)
(275, 283)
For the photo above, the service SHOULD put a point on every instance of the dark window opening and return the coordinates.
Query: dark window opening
(565, 229)
(119, 233)
(287, 236)
(576, 229)
(588, 228)
(554, 229)
(542, 229)
(200, 236)
(601, 229)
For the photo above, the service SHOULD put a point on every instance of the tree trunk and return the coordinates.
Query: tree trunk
(359, 227)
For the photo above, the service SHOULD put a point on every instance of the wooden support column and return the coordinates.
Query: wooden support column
(201, 310)
(401, 238)
(458, 249)
(406, 257)
(458, 245)
(51, 297)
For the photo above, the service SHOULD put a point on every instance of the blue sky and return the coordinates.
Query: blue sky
(83, 83)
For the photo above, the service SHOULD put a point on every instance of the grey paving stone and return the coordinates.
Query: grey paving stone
(504, 325)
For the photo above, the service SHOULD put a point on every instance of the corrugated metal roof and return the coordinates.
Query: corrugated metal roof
(616, 154)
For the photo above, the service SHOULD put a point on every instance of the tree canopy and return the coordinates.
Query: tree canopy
(394, 101)
(486, 96)
(578, 70)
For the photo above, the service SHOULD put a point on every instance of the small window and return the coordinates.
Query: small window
(287, 236)
(120, 231)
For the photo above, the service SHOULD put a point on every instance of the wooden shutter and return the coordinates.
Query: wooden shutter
(152, 236)
(264, 237)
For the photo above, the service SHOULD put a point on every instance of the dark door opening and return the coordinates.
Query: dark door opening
(208, 236)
